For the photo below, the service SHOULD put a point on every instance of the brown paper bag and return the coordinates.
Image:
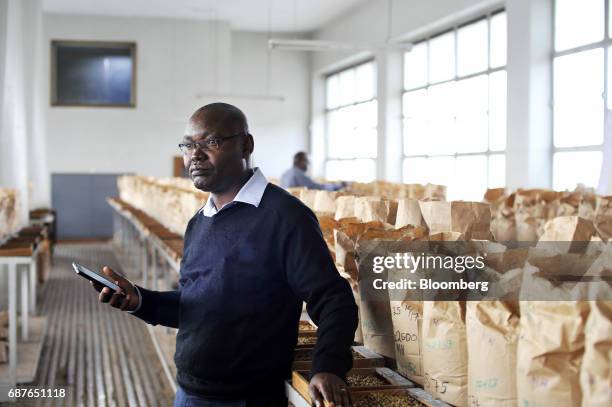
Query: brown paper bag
(435, 192)
(492, 335)
(375, 314)
(551, 342)
(504, 229)
(586, 208)
(472, 219)
(327, 224)
(408, 213)
(346, 234)
(412, 191)
(550, 352)
(354, 284)
(533, 207)
(602, 218)
(345, 207)
(307, 196)
(445, 351)
(407, 319)
(325, 201)
(568, 229)
(596, 369)
(493, 195)
(527, 227)
(296, 191)
(375, 208)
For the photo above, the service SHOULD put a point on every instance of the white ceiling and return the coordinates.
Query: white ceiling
(252, 15)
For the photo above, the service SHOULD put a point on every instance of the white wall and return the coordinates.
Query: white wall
(22, 160)
(177, 62)
(280, 128)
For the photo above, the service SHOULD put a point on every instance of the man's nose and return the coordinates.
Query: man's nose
(199, 154)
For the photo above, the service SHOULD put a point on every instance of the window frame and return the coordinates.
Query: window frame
(604, 44)
(57, 43)
(456, 78)
(328, 110)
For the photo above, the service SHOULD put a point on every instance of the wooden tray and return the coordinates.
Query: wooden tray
(394, 380)
(366, 358)
(306, 345)
(307, 328)
(424, 398)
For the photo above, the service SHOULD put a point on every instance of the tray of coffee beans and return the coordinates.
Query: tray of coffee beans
(357, 379)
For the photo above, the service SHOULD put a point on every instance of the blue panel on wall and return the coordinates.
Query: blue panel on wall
(80, 202)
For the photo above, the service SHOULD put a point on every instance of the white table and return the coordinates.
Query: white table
(28, 289)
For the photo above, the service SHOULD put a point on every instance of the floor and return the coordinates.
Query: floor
(103, 357)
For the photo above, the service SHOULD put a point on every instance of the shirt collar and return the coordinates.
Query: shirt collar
(251, 193)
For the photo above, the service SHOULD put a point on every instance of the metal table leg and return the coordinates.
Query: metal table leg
(24, 303)
(12, 310)
(33, 281)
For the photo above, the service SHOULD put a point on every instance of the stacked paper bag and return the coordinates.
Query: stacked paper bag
(445, 351)
(9, 219)
(492, 329)
(325, 201)
(522, 215)
(348, 233)
(408, 213)
(596, 369)
(375, 208)
(503, 224)
(374, 308)
(602, 217)
(471, 219)
(307, 196)
(554, 339)
(398, 191)
(168, 203)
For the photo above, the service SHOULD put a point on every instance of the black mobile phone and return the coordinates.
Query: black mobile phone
(95, 277)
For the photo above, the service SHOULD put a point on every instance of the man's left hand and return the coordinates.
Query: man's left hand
(331, 388)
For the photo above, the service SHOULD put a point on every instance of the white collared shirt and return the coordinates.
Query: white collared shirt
(251, 193)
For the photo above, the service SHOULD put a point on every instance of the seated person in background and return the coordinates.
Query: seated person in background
(296, 176)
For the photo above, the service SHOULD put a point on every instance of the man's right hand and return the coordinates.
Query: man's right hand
(126, 299)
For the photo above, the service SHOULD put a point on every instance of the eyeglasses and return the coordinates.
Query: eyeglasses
(210, 144)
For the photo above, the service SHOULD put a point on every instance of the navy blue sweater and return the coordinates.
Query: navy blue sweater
(244, 275)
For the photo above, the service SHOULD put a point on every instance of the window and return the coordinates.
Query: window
(454, 109)
(92, 73)
(582, 48)
(351, 118)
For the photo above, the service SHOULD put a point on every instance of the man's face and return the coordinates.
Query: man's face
(303, 164)
(215, 170)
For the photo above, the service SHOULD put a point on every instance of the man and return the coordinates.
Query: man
(296, 176)
(252, 255)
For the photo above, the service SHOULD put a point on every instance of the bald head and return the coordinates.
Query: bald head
(220, 118)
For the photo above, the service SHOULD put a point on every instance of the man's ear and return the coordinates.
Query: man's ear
(248, 146)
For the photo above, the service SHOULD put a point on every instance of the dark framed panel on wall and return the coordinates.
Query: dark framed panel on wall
(93, 73)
